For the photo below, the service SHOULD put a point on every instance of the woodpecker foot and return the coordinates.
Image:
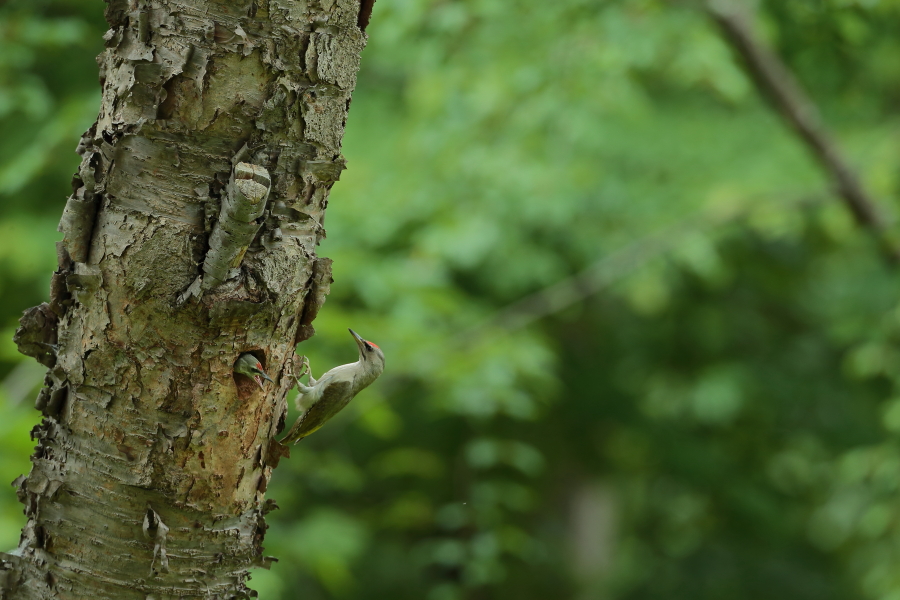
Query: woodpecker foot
(307, 370)
(304, 369)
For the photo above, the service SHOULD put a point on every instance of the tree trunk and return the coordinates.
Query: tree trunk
(189, 239)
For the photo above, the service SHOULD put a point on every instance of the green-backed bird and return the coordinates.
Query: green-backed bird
(322, 399)
(249, 365)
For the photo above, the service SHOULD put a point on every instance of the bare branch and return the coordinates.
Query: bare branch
(775, 80)
(607, 271)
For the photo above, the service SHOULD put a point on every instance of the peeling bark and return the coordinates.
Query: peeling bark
(216, 145)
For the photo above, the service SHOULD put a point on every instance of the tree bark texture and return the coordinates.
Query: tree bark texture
(153, 457)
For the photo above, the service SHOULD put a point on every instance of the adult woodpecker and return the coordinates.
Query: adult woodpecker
(322, 399)
(249, 365)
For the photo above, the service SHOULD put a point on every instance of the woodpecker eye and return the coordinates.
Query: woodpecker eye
(368, 346)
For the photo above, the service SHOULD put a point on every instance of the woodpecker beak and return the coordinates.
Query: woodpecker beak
(259, 379)
(359, 341)
(260, 376)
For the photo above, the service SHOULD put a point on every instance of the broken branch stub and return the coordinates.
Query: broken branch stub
(77, 224)
(36, 334)
(244, 203)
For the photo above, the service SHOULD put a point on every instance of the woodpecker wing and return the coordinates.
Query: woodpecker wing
(334, 397)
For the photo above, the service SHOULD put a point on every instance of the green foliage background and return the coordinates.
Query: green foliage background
(719, 420)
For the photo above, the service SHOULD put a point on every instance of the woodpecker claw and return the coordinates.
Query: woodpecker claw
(304, 369)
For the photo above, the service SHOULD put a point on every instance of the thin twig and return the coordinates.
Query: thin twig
(602, 274)
(775, 80)
(607, 271)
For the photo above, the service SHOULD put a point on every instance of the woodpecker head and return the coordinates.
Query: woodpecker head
(370, 355)
(249, 365)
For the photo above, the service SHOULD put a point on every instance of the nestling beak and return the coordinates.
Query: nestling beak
(263, 375)
(359, 341)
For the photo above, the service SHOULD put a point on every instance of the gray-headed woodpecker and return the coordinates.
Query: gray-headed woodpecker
(322, 399)
(249, 365)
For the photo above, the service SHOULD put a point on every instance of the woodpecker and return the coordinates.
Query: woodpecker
(322, 399)
(249, 365)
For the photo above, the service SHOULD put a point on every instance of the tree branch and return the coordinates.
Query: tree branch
(774, 80)
(607, 271)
